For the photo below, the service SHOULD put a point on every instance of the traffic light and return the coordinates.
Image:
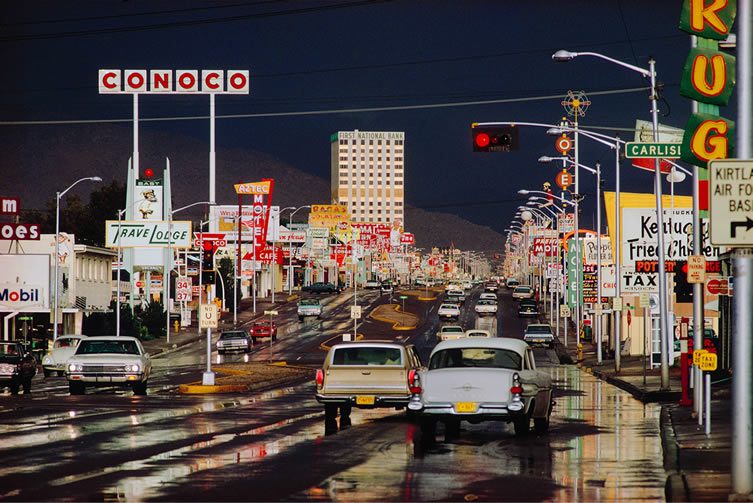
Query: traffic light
(683, 289)
(207, 257)
(494, 138)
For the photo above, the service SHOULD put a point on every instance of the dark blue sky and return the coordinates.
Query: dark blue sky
(304, 55)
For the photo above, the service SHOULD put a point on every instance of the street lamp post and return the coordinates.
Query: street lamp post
(564, 56)
(59, 196)
(290, 249)
(169, 264)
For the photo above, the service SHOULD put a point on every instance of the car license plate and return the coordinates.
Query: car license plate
(465, 407)
(365, 400)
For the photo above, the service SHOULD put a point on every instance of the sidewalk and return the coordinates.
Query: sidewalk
(698, 466)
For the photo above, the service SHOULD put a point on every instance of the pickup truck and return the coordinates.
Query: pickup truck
(366, 375)
(309, 307)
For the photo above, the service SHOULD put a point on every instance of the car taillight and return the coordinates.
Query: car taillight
(516, 390)
(414, 382)
(319, 377)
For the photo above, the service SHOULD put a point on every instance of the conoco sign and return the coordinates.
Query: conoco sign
(173, 81)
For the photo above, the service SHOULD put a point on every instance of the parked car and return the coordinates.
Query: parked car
(386, 287)
(477, 332)
(488, 296)
(449, 311)
(484, 307)
(511, 282)
(457, 296)
(499, 382)
(522, 292)
(366, 375)
(372, 284)
(528, 307)
(109, 361)
(233, 340)
(539, 334)
(309, 307)
(264, 328)
(17, 367)
(448, 332)
(320, 287)
(62, 349)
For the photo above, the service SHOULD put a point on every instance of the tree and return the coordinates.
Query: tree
(226, 269)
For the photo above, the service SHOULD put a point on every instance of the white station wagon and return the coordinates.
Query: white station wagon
(482, 379)
(109, 361)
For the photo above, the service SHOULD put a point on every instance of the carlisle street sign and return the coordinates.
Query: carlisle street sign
(652, 150)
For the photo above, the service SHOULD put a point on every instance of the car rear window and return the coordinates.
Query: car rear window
(451, 329)
(309, 302)
(65, 343)
(475, 357)
(367, 356)
(522, 289)
(108, 347)
(448, 306)
(539, 329)
(486, 302)
(232, 335)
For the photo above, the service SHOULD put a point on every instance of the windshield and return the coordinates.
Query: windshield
(312, 302)
(232, 335)
(452, 329)
(367, 356)
(485, 302)
(522, 289)
(108, 347)
(475, 357)
(65, 343)
(9, 350)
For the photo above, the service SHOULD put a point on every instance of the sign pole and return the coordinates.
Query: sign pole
(618, 258)
(742, 406)
(599, 316)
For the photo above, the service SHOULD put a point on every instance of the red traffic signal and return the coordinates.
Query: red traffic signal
(148, 173)
(494, 138)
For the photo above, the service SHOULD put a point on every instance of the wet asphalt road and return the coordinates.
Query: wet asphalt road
(111, 445)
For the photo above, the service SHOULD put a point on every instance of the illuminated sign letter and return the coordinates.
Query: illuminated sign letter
(109, 81)
(237, 81)
(708, 77)
(161, 81)
(135, 81)
(709, 21)
(211, 81)
(187, 80)
(707, 137)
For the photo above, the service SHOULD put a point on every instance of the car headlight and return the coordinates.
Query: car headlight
(47, 360)
(75, 367)
(7, 368)
(132, 368)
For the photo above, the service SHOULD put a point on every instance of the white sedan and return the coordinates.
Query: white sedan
(450, 332)
(481, 379)
(449, 311)
(62, 349)
(109, 361)
(484, 307)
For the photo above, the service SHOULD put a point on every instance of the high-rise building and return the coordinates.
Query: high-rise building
(368, 174)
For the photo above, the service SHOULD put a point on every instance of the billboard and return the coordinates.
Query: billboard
(24, 282)
(149, 200)
(222, 219)
(147, 234)
(113, 81)
(328, 215)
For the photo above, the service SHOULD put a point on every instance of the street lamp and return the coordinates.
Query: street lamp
(169, 262)
(58, 196)
(564, 56)
(290, 247)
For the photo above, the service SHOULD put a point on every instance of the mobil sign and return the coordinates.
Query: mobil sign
(173, 81)
(545, 247)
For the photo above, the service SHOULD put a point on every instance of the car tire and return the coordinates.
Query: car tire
(27, 386)
(451, 429)
(140, 388)
(61, 373)
(541, 425)
(47, 373)
(522, 426)
(76, 388)
(428, 428)
(13, 388)
(300, 318)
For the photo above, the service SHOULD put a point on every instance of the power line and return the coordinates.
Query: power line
(325, 112)
(198, 22)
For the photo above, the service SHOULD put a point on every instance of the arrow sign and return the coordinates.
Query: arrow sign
(733, 226)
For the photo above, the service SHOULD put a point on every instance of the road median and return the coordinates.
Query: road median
(249, 377)
(391, 313)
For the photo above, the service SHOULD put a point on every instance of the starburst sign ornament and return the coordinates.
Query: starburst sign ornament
(576, 103)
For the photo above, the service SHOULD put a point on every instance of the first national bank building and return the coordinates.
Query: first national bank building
(368, 174)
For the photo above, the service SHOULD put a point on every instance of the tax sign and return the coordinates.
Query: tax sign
(731, 202)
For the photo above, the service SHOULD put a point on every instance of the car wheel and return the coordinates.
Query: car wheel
(522, 426)
(428, 427)
(140, 388)
(451, 429)
(541, 425)
(47, 373)
(61, 373)
(300, 318)
(274, 337)
(330, 417)
(13, 388)
(27, 386)
(76, 388)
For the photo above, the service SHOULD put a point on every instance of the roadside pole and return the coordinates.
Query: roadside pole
(742, 415)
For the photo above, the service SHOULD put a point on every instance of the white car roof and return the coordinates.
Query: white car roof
(112, 338)
(367, 345)
(72, 336)
(517, 345)
(478, 331)
(449, 306)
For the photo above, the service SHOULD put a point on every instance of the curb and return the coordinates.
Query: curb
(200, 389)
(638, 393)
(325, 347)
(676, 486)
(427, 298)
(176, 346)
(395, 324)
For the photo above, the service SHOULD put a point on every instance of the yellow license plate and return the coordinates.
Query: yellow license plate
(465, 407)
(365, 400)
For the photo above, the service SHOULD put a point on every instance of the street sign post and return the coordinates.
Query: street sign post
(355, 312)
(207, 316)
(730, 202)
(696, 269)
(653, 150)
